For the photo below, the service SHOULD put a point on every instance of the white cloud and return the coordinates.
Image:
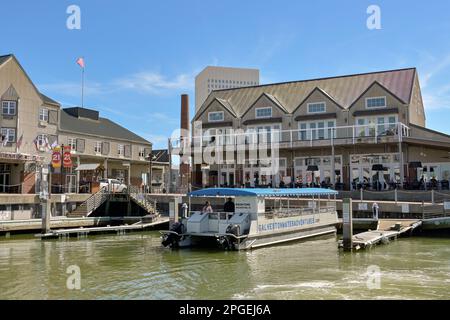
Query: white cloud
(436, 94)
(155, 83)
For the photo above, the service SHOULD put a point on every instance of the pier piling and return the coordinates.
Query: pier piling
(347, 212)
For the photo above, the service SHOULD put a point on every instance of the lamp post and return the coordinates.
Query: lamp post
(151, 158)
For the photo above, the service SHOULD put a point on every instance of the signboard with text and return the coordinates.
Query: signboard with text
(56, 157)
(67, 158)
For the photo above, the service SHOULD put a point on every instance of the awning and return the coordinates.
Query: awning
(87, 167)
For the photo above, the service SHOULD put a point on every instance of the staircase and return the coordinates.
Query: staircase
(90, 205)
(143, 200)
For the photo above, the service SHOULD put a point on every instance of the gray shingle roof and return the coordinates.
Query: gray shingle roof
(102, 127)
(4, 58)
(343, 89)
(161, 155)
(48, 100)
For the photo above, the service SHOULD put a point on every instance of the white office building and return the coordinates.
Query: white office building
(218, 78)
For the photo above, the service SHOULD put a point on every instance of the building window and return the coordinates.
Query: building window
(318, 107)
(9, 134)
(141, 152)
(42, 140)
(316, 130)
(43, 114)
(72, 142)
(9, 108)
(378, 102)
(120, 149)
(263, 112)
(215, 116)
(98, 147)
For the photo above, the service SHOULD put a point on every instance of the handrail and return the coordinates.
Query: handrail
(354, 132)
(96, 200)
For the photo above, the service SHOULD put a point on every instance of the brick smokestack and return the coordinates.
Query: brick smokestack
(185, 137)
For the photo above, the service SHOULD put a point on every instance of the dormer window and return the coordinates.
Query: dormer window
(43, 114)
(261, 113)
(215, 116)
(377, 102)
(9, 108)
(317, 107)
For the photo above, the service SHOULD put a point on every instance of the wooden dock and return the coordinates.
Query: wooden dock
(387, 230)
(83, 232)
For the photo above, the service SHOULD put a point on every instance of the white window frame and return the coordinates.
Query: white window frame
(10, 105)
(317, 103)
(7, 133)
(41, 140)
(120, 150)
(43, 114)
(142, 152)
(309, 131)
(72, 142)
(98, 147)
(378, 107)
(216, 112)
(263, 117)
(255, 134)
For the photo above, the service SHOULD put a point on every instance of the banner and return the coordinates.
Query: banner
(56, 158)
(67, 157)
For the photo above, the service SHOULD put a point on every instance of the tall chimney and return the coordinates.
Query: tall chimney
(185, 138)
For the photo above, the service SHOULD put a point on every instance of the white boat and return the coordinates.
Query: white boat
(262, 217)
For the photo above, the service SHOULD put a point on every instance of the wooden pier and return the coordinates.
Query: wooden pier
(82, 232)
(387, 230)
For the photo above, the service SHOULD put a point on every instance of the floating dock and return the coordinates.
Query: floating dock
(83, 232)
(387, 230)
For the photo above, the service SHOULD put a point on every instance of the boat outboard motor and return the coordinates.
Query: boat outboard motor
(229, 242)
(172, 239)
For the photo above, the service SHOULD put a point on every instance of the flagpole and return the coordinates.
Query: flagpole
(82, 87)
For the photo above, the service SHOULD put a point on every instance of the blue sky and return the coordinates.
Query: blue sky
(141, 55)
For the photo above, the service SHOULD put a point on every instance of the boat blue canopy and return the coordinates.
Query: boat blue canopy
(261, 192)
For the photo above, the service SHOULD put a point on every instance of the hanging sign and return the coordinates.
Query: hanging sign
(56, 157)
(67, 157)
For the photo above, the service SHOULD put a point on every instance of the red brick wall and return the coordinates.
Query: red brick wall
(29, 181)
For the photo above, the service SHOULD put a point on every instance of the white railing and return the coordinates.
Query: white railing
(96, 200)
(369, 133)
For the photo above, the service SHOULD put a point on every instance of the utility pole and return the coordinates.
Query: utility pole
(44, 198)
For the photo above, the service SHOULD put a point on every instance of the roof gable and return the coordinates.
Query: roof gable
(376, 83)
(45, 99)
(271, 98)
(325, 94)
(224, 103)
(344, 89)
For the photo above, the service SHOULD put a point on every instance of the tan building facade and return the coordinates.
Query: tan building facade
(350, 132)
(32, 123)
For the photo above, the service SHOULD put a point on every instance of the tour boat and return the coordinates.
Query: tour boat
(261, 217)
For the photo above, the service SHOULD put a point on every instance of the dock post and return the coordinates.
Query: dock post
(173, 210)
(347, 212)
(44, 198)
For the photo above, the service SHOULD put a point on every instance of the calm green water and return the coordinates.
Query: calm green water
(134, 266)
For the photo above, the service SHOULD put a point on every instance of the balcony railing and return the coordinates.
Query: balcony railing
(371, 134)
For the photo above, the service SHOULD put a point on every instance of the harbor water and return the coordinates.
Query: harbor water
(135, 266)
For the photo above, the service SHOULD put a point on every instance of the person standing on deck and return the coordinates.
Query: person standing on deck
(229, 206)
(207, 208)
(375, 208)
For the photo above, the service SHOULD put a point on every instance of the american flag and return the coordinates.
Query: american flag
(80, 62)
(19, 142)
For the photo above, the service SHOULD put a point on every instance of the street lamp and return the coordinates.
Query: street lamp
(150, 158)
